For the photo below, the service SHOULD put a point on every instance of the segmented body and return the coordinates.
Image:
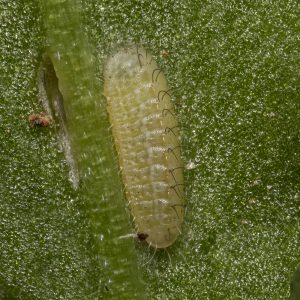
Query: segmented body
(146, 135)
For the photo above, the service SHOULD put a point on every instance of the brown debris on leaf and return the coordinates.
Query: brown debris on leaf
(164, 53)
(40, 120)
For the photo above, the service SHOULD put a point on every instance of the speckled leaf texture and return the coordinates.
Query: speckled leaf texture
(233, 67)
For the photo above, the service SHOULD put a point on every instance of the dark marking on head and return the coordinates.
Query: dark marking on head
(142, 236)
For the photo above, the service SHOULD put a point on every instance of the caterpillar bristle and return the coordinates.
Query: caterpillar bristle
(166, 111)
(158, 70)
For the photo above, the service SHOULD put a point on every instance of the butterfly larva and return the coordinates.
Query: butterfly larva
(146, 135)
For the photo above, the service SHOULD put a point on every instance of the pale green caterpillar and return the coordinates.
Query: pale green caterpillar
(146, 135)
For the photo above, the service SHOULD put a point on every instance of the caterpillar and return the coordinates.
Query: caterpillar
(146, 136)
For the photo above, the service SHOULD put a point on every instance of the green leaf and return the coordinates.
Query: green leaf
(234, 69)
(295, 285)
